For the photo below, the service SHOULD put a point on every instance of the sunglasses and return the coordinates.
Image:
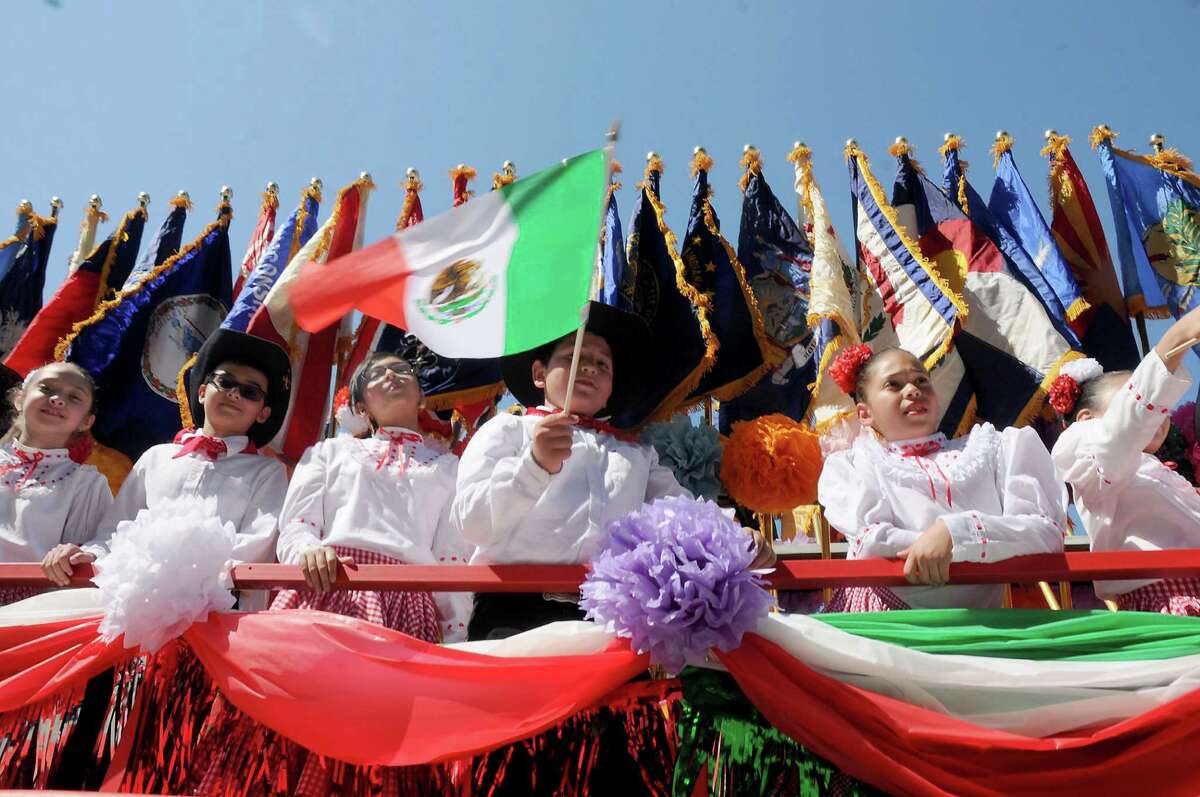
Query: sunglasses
(398, 368)
(247, 390)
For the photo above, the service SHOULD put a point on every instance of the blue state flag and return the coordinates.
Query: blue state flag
(777, 259)
(11, 246)
(1156, 210)
(22, 287)
(295, 232)
(612, 254)
(162, 246)
(136, 348)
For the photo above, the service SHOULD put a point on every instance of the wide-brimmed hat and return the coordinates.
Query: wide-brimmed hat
(627, 336)
(226, 345)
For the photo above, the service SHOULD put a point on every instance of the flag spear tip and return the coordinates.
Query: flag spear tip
(184, 195)
(316, 183)
(226, 193)
(1051, 133)
(947, 136)
(798, 144)
(1158, 140)
(56, 204)
(1001, 134)
(410, 172)
(24, 206)
(901, 140)
(851, 143)
(143, 199)
(94, 202)
(364, 176)
(272, 187)
(651, 155)
(748, 148)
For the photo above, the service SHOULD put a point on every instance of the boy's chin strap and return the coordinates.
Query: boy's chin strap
(588, 422)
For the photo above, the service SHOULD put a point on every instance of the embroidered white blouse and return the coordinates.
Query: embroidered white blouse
(1128, 499)
(515, 511)
(996, 492)
(390, 494)
(45, 499)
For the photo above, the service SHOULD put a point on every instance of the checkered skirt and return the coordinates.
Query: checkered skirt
(14, 594)
(863, 599)
(1179, 596)
(412, 613)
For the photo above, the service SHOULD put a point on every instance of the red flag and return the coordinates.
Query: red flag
(264, 231)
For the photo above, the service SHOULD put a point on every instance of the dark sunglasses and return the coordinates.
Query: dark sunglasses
(398, 368)
(248, 391)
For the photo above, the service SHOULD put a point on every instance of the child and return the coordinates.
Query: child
(540, 488)
(904, 491)
(49, 502)
(380, 499)
(1126, 497)
(238, 392)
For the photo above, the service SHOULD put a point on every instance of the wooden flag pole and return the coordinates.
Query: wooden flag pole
(610, 146)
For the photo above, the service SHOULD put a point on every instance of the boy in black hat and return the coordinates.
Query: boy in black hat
(238, 395)
(540, 488)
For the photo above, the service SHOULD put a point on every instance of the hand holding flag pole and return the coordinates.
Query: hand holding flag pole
(610, 145)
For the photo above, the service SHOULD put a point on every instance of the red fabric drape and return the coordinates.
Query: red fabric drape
(39, 660)
(907, 750)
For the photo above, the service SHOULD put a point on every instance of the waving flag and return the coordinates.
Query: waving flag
(21, 288)
(777, 257)
(9, 247)
(916, 300)
(77, 297)
(1105, 330)
(313, 354)
(1010, 345)
(136, 344)
(296, 231)
(832, 310)
(162, 247)
(467, 282)
(1013, 206)
(264, 231)
(712, 269)
(612, 249)
(92, 218)
(1156, 209)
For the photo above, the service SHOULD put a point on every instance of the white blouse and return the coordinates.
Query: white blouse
(45, 499)
(1128, 499)
(996, 492)
(514, 511)
(392, 498)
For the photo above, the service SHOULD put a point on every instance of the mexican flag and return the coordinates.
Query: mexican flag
(504, 273)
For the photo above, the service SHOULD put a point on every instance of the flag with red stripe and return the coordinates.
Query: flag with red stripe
(264, 231)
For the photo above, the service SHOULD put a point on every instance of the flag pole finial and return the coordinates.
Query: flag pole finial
(24, 206)
(748, 148)
(697, 150)
(901, 140)
(226, 193)
(1002, 134)
(412, 173)
(94, 202)
(1158, 141)
(316, 183)
(850, 142)
(56, 205)
(184, 195)
(1050, 133)
(143, 199)
(798, 144)
(365, 176)
(272, 187)
(508, 168)
(947, 137)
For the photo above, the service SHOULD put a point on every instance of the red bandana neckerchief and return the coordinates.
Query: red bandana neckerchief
(396, 441)
(918, 453)
(588, 422)
(192, 441)
(25, 460)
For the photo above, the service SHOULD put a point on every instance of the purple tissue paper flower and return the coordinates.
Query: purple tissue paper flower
(673, 579)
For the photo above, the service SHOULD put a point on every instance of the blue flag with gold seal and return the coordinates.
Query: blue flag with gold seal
(777, 258)
(654, 287)
(1156, 209)
(137, 343)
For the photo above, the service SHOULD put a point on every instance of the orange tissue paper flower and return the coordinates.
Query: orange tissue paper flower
(771, 464)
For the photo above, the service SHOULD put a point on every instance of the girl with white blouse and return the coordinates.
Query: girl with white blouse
(50, 503)
(905, 491)
(382, 498)
(1128, 499)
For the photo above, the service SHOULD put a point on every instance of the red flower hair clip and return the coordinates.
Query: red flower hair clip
(846, 366)
(1064, 392)
(80, 447)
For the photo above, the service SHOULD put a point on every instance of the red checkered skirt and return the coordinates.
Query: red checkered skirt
(863, 599)
(1179, 596)
(412, 613)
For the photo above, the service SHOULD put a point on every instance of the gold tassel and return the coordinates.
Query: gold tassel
(181, 393)
(102, 309)
(1003, 144)
(751, 163)
(701, 162)
(915, 250)
(653, 165)
(955, 143)
(801, 158)
(270, 201)
(412, 187)
(183, 201)
(1101, 133)
(1055, 149)
(38, 225)
(310, 191)
(459, 177)
(24, 212)
(902, 149)
(1171, 160)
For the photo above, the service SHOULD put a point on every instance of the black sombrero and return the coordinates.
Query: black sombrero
(226, 345)
(626, 334)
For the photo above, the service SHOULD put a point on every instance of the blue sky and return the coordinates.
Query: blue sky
(116, 98)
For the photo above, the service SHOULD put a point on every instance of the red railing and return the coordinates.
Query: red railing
(789, 573)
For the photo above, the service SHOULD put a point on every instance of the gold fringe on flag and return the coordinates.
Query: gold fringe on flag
(182, 200)
(110, 257)
(38, 225)
(751, 163)
(24, 212)
(1077, 308)
(412, 187)
(1055, 149)
(955, 143)
(914, 249)
(902, 149)
(1003, 144)
(1101, 133)
(772, 355)
(226, 215)
(801, 159)
(181, 393)
(313, 191)
(460, 175)
(678, 397)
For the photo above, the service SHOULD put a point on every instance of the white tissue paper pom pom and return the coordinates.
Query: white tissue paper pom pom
(167, 568)
(350, 421)
(1082, 370)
